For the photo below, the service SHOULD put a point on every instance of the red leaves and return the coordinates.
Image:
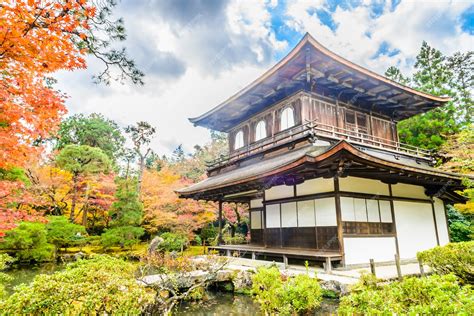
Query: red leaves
(36, 39)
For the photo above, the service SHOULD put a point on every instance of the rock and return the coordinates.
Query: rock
(243, 281)
(154, 244)
(80, 255)
(335, 286)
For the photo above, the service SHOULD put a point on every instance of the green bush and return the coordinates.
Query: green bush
(28, 242)
(62, 233)
(4, 278)
(294, 295)
(236, 240)
(123, 236)
(433, 295)
(99, 286)
(173, 242)
(456, 258)
(461, 227)
(208, 234)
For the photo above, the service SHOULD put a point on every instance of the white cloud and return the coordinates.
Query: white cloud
(217, 63)
(359, 34)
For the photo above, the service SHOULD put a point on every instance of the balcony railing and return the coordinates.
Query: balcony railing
(325, 132)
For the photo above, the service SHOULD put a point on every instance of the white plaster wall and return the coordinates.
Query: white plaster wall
(279, 192)
(409, 190)
(443, 233)
(361, 185)
(415, 227)
(361, 250)
(256, 203)
(314, 186)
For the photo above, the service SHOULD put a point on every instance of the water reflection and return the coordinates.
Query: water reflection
(219, 303)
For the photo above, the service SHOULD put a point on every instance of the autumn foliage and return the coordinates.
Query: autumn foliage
(164, 210)
(37, 39)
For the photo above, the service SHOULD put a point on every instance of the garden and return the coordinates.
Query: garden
(88, 204)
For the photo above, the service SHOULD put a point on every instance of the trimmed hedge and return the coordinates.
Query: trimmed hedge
(456, 258)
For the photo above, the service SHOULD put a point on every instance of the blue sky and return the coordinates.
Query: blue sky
(197, 53)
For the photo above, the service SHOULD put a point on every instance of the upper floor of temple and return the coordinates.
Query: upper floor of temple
(315, 95)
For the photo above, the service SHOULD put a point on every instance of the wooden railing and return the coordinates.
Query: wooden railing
(325, 132)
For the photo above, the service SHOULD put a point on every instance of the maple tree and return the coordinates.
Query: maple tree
(164, 210)
(38, 38)
(81, 160)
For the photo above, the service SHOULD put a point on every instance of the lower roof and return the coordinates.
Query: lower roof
(321, 161)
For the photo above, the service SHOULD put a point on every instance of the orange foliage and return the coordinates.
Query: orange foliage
(165, 211)
(36, 39)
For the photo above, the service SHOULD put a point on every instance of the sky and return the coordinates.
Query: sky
(197, 53)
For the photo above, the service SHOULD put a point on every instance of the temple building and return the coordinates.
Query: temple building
(314, 152)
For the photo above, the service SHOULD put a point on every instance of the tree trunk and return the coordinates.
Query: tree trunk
(74, 198)
(140, 175)
(86, 205)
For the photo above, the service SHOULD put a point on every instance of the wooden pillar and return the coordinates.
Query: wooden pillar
(434, 221)
(339, 218)
(392, 209)
(219, 236)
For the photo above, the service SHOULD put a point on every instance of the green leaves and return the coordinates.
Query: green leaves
(295, 295)
(95, 131)
(82, 160)
(28, 242)
(456, 258)
(438, 75)
(100, 286)
(62, 233)
(433, 295)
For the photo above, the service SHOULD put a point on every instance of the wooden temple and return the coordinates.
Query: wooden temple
(314, 151)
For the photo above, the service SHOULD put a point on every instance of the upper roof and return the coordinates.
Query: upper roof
(311, 64)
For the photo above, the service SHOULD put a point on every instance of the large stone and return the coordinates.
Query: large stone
(243, 281)
(335, 286)
(154, 244)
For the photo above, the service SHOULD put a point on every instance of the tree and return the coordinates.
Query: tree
(195, 166)
(28, 242)
(81, 160)
(163, 208)
(126, 214)
(438, 75)
(38, 39)
(396, 75)
(141, 135)
(95, 131)
(62, 233)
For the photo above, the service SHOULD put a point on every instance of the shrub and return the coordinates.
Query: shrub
(173, 242)
(456, 258)
(433, 295)
(293, 295)
(461, 227)
(123, 236)
(28, 242)
(98, 286)
(4, 278)
(63, 233)
(208, 233)
(236, 240)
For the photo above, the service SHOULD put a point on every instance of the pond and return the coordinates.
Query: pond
(220, 303)
(26, 273)
(216, 303)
